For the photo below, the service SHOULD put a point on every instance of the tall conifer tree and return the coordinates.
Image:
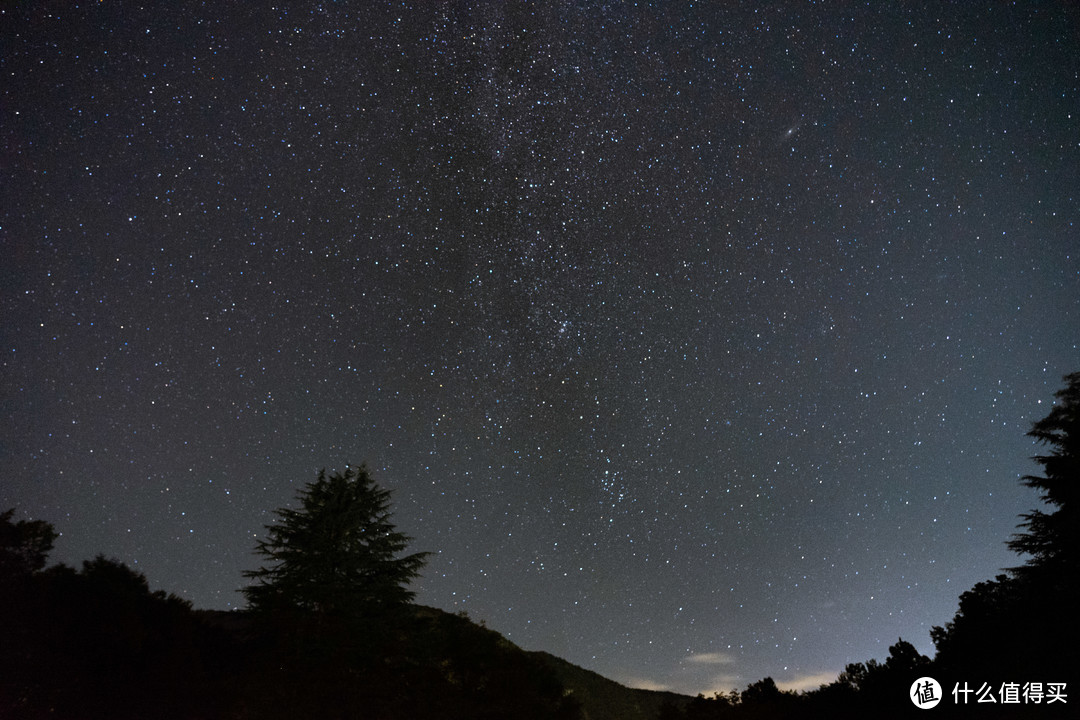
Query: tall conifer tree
(1051, 538)
(337, 555)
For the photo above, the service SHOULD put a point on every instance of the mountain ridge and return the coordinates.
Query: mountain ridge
(599, 697)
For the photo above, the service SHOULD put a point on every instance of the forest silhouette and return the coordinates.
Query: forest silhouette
(331, 631)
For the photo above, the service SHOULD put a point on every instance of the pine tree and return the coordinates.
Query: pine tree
(336, 556)
(1051, 538)
(1025, 622)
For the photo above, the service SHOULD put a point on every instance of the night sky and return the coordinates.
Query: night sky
(697, 342)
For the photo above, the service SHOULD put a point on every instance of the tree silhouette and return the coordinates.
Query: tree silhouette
(24, 546)
(330, 601)
(338, 554)
(1051, 538)
(1025, 622)
(98, 643)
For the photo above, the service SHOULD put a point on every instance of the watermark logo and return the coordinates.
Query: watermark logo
(1012, 693)
(925, 693)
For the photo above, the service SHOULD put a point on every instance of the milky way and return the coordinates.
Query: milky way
(697, 343)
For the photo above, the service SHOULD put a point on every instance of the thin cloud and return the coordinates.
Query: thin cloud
(714, 658)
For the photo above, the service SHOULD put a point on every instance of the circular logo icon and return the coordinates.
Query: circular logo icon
(925, 693)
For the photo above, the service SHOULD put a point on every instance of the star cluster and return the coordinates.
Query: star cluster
(697, 341)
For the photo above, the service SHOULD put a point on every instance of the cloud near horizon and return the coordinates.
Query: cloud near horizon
(723, 684)
(646, 684)
(808, 682)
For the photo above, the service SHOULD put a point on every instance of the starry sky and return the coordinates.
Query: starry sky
(697, 341)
